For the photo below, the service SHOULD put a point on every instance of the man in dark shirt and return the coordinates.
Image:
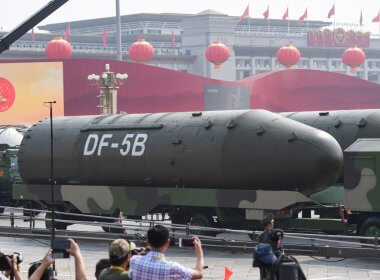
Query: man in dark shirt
(265, 237)
(120, 254)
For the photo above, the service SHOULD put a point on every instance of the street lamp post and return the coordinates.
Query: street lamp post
(118, 31)
(108, 82)
(52, 180)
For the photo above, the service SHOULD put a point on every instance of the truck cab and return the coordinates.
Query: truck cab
(362, 185)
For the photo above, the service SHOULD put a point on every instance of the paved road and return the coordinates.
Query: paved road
(240, 264)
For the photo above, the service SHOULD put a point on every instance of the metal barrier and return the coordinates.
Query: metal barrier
(236, 241)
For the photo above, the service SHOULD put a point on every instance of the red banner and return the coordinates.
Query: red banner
(338, 38)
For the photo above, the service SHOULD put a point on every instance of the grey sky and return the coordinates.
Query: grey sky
(13, 12)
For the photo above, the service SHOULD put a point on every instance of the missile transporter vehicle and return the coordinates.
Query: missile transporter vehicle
(357, 132)
(216, 168)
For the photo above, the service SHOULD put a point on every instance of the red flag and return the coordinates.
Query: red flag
(361, 17)
(245, 14)
(286, 15)
(376, 18)
(173, 39)
(266, 13)
(302, 18)
(227, 273)
(105, 37)
(331, 12)
(67, 33)
(32, 36)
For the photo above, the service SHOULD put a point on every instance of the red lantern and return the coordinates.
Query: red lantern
(58, 48)
(353, 57)
(217, 53)
(288, 56)
(141, 51)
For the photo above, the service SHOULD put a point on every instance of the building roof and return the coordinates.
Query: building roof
(211, 12)
(173, 17)
(98, 39)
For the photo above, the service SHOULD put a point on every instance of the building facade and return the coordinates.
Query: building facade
(180, 41)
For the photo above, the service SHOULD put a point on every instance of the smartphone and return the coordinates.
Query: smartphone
(59, 249)
(186, 242)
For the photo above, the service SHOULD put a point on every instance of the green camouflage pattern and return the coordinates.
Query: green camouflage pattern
(8, 175)
(5, 175)
(142, 200)
(362, 165)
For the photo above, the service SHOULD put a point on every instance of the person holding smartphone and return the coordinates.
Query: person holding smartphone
(154, 265)
(42, 270)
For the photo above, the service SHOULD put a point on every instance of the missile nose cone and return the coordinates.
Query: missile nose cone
(327, 157)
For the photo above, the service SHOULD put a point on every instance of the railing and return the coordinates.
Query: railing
(161, 49)
(228, 240)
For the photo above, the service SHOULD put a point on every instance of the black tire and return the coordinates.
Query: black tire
(201, 220)
(58, 225)
(2, 210)
(178, 219)
(115, 228)
(370, 228)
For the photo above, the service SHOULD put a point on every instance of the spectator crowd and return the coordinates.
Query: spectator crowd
(125, 261)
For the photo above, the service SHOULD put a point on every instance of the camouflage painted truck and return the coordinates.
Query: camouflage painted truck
(362, 185)
(221, 168)
(225, 207)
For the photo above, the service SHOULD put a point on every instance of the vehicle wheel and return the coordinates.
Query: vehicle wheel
(370, 228)
(2, 210)
(178, 219)
(201, 220)
(115, 229)
(58, 225)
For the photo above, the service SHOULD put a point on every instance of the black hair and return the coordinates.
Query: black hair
(33, 268)
(100, 265)
(158, 236)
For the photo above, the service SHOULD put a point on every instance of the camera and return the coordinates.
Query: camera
(141, 251)
(4, 264)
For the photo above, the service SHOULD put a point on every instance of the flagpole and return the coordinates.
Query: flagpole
(270, 33)
(119, 55)
(334, 15)
(249, 30)
(287, 11)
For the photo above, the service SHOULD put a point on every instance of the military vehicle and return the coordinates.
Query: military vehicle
(208, 205)
(10, 139)
(347, 126)
(361, 184)
(207, 168)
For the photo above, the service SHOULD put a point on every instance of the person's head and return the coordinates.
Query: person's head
(100, 265)
(268, 221)
(158, 237)
(120, 252)
(45, 276)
